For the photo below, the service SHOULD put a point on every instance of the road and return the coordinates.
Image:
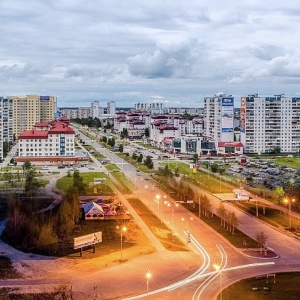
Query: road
(176, 275)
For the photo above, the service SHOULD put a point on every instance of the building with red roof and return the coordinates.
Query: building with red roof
(52, 141)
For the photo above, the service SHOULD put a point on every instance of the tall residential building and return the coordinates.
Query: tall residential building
(270, 124)
(6, 107)
(111, 108)
(218, 117)
(31, 109)
(95, 109)
(6, 123)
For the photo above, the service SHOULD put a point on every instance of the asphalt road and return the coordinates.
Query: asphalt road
(180, 275)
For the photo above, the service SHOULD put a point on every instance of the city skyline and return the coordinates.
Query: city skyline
(129, 52)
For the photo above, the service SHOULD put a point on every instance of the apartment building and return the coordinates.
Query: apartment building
(48, 141)
(218, 117)
(6, 123)
(111, 108)
(76, 112)
(270, 124)
(31, 109)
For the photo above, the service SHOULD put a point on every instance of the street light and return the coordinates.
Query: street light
(218, 269)
(157, 197)
(187, 222)
(148, 276)
(288, 202)
(172, 204)
(123, 229)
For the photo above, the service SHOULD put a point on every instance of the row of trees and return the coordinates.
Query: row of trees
(147, 161)
(90, 122)
(228, 218)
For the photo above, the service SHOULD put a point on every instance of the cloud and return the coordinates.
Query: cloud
(128, 51)
(173, 59)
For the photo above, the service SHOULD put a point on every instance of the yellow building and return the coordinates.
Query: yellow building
(31, 109)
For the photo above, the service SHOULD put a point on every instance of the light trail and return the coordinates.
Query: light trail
(213, 275)
(206, 263)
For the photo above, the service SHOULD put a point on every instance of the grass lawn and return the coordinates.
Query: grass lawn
(271, 216)
(286, 286)
(291, 162)
(112, 167)
(132, 161)
(127, 185)
(88, 178)
(148, 146)
(214, 222)
(204, 180)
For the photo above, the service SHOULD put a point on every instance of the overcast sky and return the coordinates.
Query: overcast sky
(133, 51)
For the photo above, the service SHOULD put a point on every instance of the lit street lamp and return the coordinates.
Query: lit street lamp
(172, 204)
(187, 222)
(218, 269)
(148, 276)
(157, 198)
(122, 230)
(288, 202)
(187, 228)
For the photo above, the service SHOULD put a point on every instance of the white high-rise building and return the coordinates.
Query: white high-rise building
(111, 108)
(6, 122)
(218, 117)
(270, 124)
(95, 111)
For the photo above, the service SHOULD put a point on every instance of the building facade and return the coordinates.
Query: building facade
(31, 109)
(218, 117)
(270, 124)
(47, 141)
(111, 108)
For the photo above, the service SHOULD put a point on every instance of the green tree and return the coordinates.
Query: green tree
(222, 214)
(195, 158)
(147, 132)
(214, 167)
(149, 163)
(233, 221)
(78, 183)
(47, 237)
(261, 239)
(6, 148)
(66, 224)
(140, 158)
(31, 182)
(279, 193)
(26, 166)
(124, 133)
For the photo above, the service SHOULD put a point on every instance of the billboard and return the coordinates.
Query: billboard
(45, 98)
(87, 240)
(243, 114)
(227, 114)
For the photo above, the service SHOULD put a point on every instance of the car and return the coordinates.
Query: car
(45, 168)
(91, 168)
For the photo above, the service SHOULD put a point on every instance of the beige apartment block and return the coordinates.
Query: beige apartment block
(31, 109)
